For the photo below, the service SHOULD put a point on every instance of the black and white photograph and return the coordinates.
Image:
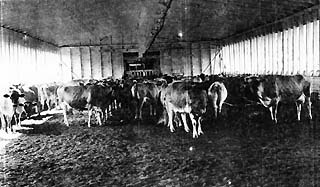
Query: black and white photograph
(160, 93)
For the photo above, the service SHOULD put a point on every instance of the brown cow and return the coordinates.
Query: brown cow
(48, 95)
(142, 93)
(10, 103)
(270, 90)
(217, 94)
(91, 97)
(31, 99)
(188, 100)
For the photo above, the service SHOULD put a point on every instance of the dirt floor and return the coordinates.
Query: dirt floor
(243, 148)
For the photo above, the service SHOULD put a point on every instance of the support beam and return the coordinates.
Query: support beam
(299, 14)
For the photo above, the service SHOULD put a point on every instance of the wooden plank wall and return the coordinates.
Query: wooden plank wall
(292, 51)
(91, 62)
(191, 59)
(27, 60)
(100, 62)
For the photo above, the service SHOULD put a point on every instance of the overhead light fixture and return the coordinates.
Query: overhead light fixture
(25, 37)
(180, 34)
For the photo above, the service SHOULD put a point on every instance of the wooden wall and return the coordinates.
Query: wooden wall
(99, 62)
(27, 60)
(292, 51)
(191, 59)
(91, 62)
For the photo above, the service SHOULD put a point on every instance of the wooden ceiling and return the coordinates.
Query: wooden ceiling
(126, 22)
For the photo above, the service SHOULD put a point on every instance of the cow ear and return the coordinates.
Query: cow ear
(6, 95)
(21, 95)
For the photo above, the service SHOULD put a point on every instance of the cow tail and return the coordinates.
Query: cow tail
(217, 87)
(159, 98)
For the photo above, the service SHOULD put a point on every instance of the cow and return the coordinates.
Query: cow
(217, 94)
(269, 90)
(123, 94)
(187, 100)
(31, 100)
(142, 93)
(48, 95)
(92, 97)
(10, 103)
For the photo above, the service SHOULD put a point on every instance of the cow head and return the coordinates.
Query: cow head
(251, 88)
(14, 95)
(199, 101)
(29, 107)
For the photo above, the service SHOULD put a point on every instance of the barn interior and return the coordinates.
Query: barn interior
(44, 41)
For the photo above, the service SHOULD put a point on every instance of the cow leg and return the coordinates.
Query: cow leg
(115, 104)
(220, 108)
(103, 115)
(308, 103)
(215, 110)
(170, 117)
(9, 126)
(271, 113)
(184, 120)
(199, 126)
(141, 107)
(154, 105)
(137, 109)
(299, 106)
(18, 119)
(275, 112)
(38, 109)
(177, 119)
(109, 111)
(164, 117)
(112, 104)
(48, 104)
(151, 109)
(89, 116)
(3, 122)
(194, 126)
(215, 106)
(65, 108)
(99, 117)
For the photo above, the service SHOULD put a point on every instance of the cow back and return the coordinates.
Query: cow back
(177, 93)
(100, 96)
(75, 96)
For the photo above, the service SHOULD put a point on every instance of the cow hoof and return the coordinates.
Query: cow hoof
(200, 132)
(194, 136)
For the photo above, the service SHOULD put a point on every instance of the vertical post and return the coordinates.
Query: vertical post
(170, 57)
(200, 58)
(72, 75)
(251, 54)
(209, 56)
(101, 60)
(111, 59)
(190, 57)
(91, 64)
(81, 63)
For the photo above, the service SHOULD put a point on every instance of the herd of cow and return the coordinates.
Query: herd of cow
(174, 100)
